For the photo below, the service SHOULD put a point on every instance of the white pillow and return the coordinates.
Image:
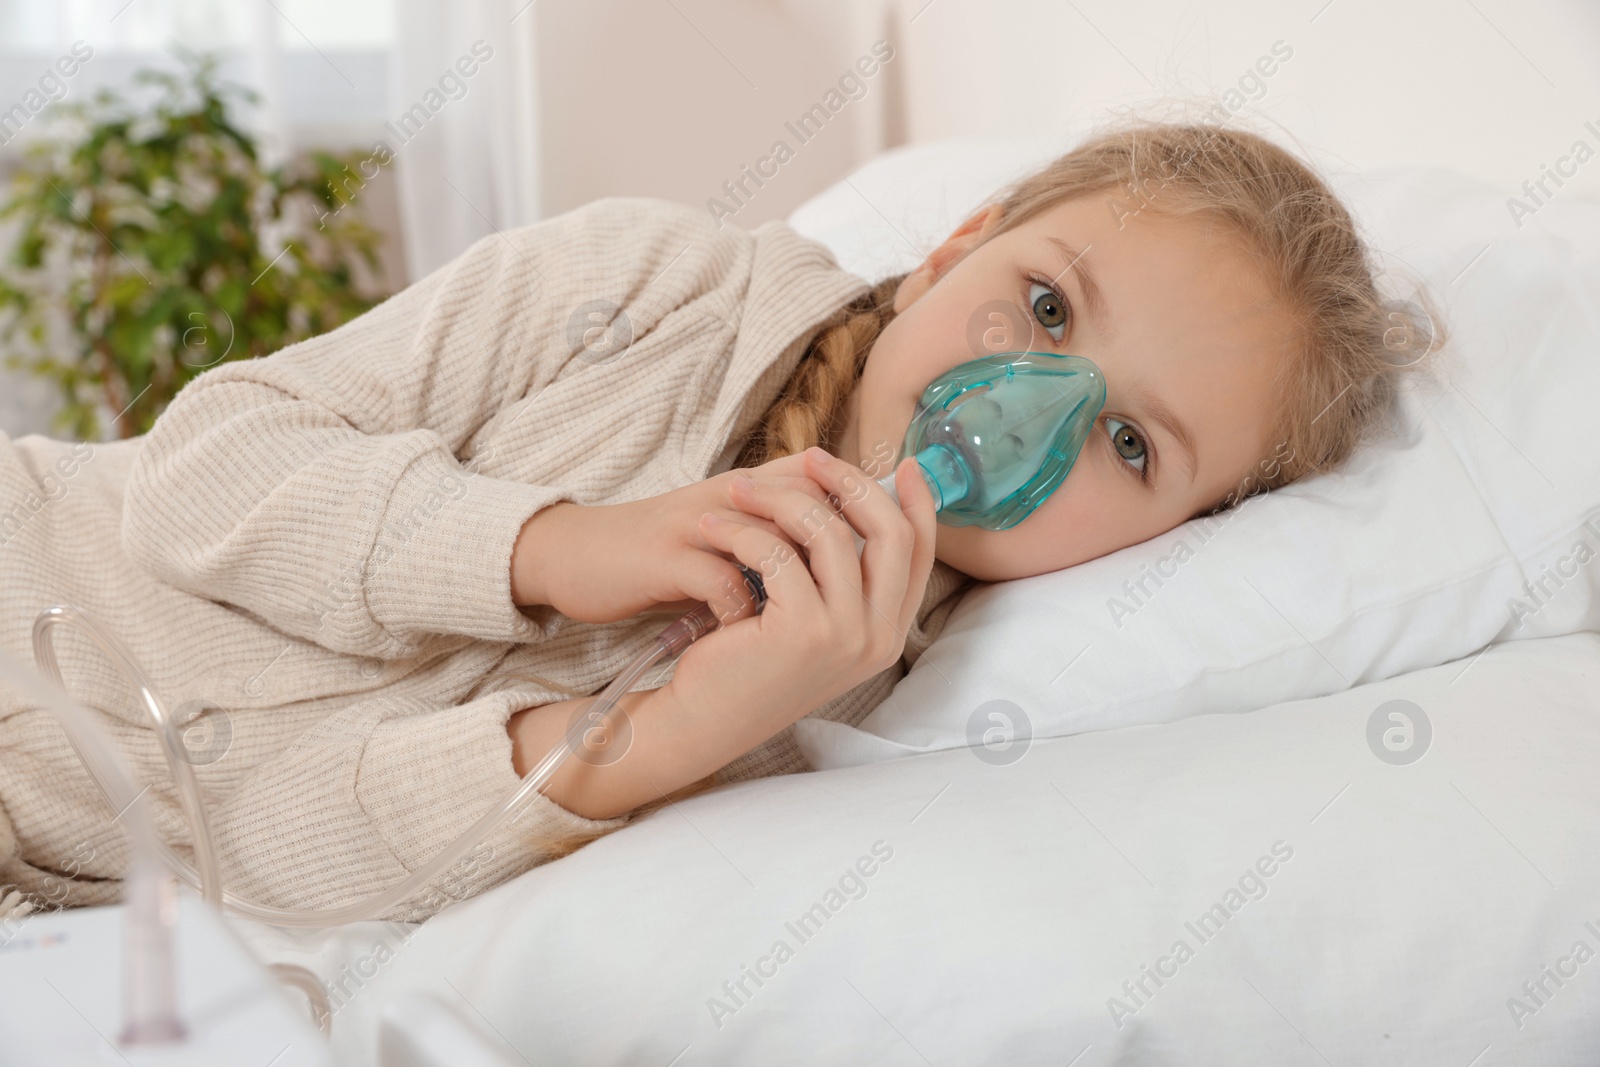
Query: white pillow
(1415, 553)
(974, 914)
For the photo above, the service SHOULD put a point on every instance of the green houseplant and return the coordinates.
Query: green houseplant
(152, 244)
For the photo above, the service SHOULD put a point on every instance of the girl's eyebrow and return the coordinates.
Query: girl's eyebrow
(1071, 260)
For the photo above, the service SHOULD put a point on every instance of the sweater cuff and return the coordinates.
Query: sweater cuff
(441, 558)
(426, 777)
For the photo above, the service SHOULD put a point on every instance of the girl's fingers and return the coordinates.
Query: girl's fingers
(737, 515)
(711, 578)
(783, 575)
(813, 525)
(797, 481)
(916, 500)
(716, 581)
(885, 562)
(892, 571)
(732, 598)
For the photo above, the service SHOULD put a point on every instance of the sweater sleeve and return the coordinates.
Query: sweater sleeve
(332, 488)
(375, 791)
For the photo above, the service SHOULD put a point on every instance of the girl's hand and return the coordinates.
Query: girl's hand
(831, 620)
(600, 563)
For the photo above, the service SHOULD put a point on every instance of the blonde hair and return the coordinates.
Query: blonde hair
(1342, 369)
(811, 407)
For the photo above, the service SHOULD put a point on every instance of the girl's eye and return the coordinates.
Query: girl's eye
(1129, 444)
(1049, 308)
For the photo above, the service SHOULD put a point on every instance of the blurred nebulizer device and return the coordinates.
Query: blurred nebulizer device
(162, 979)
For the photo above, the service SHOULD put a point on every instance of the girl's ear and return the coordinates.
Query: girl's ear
(971, 233)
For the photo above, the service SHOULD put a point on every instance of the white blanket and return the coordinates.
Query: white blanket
(1334, 904)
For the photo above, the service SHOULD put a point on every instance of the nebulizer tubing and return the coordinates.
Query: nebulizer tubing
(208, 876)
(149, 973)
(988, 463)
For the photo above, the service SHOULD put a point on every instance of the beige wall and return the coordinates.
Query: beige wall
(1495, 88)
(671, 99)
(638, 101)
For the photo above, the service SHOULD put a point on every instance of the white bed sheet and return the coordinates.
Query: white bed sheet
(1018, 899)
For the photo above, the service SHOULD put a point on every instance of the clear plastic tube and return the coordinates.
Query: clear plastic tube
(207, 879)
(149, 979)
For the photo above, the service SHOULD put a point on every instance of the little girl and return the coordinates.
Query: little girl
(386, 567)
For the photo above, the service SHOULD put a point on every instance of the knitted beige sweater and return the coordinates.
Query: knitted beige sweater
(318, 543)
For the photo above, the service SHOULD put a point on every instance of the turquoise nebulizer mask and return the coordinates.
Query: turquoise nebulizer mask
(995, 436)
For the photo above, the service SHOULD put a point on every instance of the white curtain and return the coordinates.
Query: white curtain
(473, 168)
